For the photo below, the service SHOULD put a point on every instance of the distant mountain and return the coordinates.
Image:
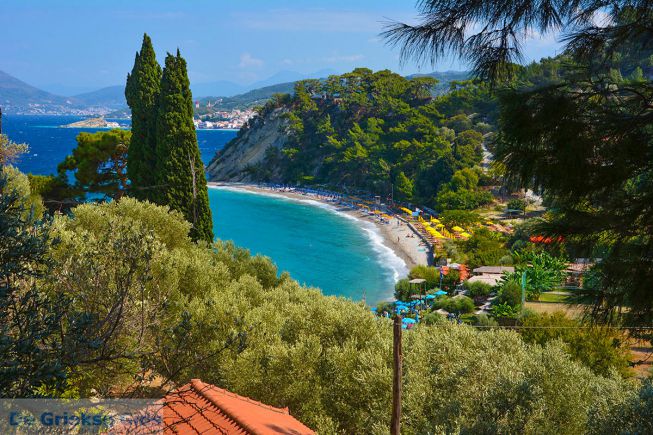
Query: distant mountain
(248, 99)
(223, 88)
(283, 77)
(261, 95)
(66, 90)
(17, 96)
(112, 97)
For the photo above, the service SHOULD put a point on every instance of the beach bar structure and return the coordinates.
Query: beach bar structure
(421, 288)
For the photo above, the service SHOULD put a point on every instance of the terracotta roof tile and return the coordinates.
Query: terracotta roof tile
(201, 408)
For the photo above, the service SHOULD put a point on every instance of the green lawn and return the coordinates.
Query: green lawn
(554, 298)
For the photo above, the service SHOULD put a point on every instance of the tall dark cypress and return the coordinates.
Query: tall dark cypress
(142, 93)
(180, 171)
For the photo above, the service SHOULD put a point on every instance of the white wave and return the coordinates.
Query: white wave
(385, 255)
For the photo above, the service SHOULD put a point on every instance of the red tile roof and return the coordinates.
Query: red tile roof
(200, 408)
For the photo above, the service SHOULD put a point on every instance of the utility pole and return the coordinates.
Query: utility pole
(523, 290)
(0, 120)
(395, 422)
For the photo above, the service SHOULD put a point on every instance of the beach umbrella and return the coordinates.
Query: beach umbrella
(430, 296)
(440, 293)
(458, 229)
(408, 320)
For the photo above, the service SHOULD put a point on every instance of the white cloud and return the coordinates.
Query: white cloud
(249, 61)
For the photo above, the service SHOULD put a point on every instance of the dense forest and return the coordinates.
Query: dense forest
(385, 134)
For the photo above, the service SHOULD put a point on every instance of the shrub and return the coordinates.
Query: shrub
(404, 290)
(509, 293)
(450, 280)
(463, 218)
(484, 248)
(478, 288)
(485, 321)
(433, 318)
(517, 204)
(429, 273)
(600, 349)
(632, 416)
(458, 304)
(504, 310)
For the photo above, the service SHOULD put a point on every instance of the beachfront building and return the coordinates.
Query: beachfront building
(490, 274)
(201, 408)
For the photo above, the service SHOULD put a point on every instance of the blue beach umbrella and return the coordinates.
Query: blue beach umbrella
(408, 320)
(440, 293)
(429, 297)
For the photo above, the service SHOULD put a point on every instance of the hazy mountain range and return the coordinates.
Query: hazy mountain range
(19, 97)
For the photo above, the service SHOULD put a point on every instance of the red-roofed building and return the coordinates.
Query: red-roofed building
(200, 408)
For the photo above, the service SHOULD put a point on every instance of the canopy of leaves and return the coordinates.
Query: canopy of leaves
(99, 162)
(180, 174)
(142, 94)
(381, 133)
(491, 34)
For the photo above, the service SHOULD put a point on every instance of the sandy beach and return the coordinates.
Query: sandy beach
(410, 249)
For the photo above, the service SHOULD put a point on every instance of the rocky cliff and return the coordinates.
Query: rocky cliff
(247, 151)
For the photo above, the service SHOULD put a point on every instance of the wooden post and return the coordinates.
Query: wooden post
(395, 422)
(0, 120)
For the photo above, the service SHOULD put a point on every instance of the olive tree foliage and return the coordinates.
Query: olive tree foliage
(146, 289)
(161, 310)
(635, 415)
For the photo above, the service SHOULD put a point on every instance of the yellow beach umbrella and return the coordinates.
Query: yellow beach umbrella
(465, 235)
(458, 229)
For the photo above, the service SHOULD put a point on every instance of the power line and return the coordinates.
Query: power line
(545, 327)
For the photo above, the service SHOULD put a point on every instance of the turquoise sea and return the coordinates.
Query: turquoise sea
(317, 245)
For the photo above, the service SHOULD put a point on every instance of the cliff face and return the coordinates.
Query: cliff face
(233, 163)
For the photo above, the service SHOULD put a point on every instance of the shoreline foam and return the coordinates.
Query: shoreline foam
(394, 250)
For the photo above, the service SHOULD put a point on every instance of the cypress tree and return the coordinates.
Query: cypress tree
(142, 93)
(180, 171)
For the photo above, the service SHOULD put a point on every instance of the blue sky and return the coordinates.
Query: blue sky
(76, 45)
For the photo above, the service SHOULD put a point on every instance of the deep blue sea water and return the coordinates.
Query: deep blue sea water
(315, 244)
(49, 144)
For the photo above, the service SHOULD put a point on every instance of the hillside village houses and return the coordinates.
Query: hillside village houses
(233, 119)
